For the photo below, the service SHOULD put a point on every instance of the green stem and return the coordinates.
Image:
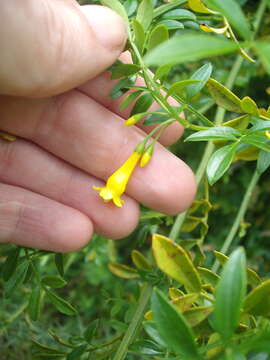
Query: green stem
(219, 117)
(135, 322)
(239, 217)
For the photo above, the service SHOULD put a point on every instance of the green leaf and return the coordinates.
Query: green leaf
(263, 50)
(202, 74)
(223, 96)
(258, 302)
(189, 47)
(139, 34)
(130, 98)
(249, 106)
(122, 86)
(157, 36)
(220, 161)
(142, 104)
(121, 70)
(130, 6)
(239, 123)
(215, 133)
(10, 264)
(34, 304)
(263, 161)
(234, 14)
(172, 24)
(172, 259)
(54, 281)
(46, 349)
(179, 86)
(140, 261)
(59, 262)
(208, 276)
(151, 330)
(258, 140)
(17, 278)
(156, 118)
(123, 271)
(61, 305)
(173, 328)
(145, 13)
(76, 353)
(179, 14)
(230, 293)
(259, 124)
(167, 7)
(91, 330)
(196, 315)
(117, 7)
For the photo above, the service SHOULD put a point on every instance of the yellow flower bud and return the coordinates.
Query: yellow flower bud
(147, 155)
(134, 119)
(267, 134)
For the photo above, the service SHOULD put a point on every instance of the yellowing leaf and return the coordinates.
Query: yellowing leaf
(198, 6)
(258, 300)
(175, 262)
(183, 303)
(210, 29)
(251, 153)
(175, 293)
(208, 276)
(223, 96)
(191, 223)
(196, 315)
(123, 271)
(239, 123)
(249, 106)
(148, 315)
(139, 260)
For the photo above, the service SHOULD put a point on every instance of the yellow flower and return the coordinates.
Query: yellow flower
(117, 182)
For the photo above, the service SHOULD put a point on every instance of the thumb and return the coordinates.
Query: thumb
(50, 46)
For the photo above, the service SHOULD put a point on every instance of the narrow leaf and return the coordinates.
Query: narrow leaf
(258, 301)
(142, 104)
(145, 13)
(230, 294)
(172, 24)
(189, 47)
(202, 74)
(11, 263)
(173, 328)
(54, 281)
(179, 14)
(167, 7)
(219, 162)
(59, 262)
(223, 96)
(139, 34)
(123, 271)
(61, 305)
(157, 36)
(234, 14)
(34, 303)
(175, 262)
(122, 70)
(17, 278)
(258, 140)
(263, 50)
(215, 133)
(76, 353)
(263, 161)
(117, 7)
(179, 86)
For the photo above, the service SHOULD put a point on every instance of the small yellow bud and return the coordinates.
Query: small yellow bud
(267, 134)
(147, 155)
(134, 119)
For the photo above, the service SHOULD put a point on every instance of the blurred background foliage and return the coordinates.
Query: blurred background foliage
(107, 303)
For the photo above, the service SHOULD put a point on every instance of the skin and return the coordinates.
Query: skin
(54, 97)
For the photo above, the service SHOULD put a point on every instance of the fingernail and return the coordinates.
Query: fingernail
(109, 28)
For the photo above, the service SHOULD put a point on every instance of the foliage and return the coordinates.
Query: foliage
(160, 292)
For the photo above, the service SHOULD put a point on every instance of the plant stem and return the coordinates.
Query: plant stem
(239, 217)
(135, 323)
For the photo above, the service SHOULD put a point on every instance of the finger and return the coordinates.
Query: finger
(82, 132)
(72, 44)
(100, 88)
(31, 220)
(43, 173)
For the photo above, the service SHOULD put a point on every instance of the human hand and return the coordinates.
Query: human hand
(71, 136)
